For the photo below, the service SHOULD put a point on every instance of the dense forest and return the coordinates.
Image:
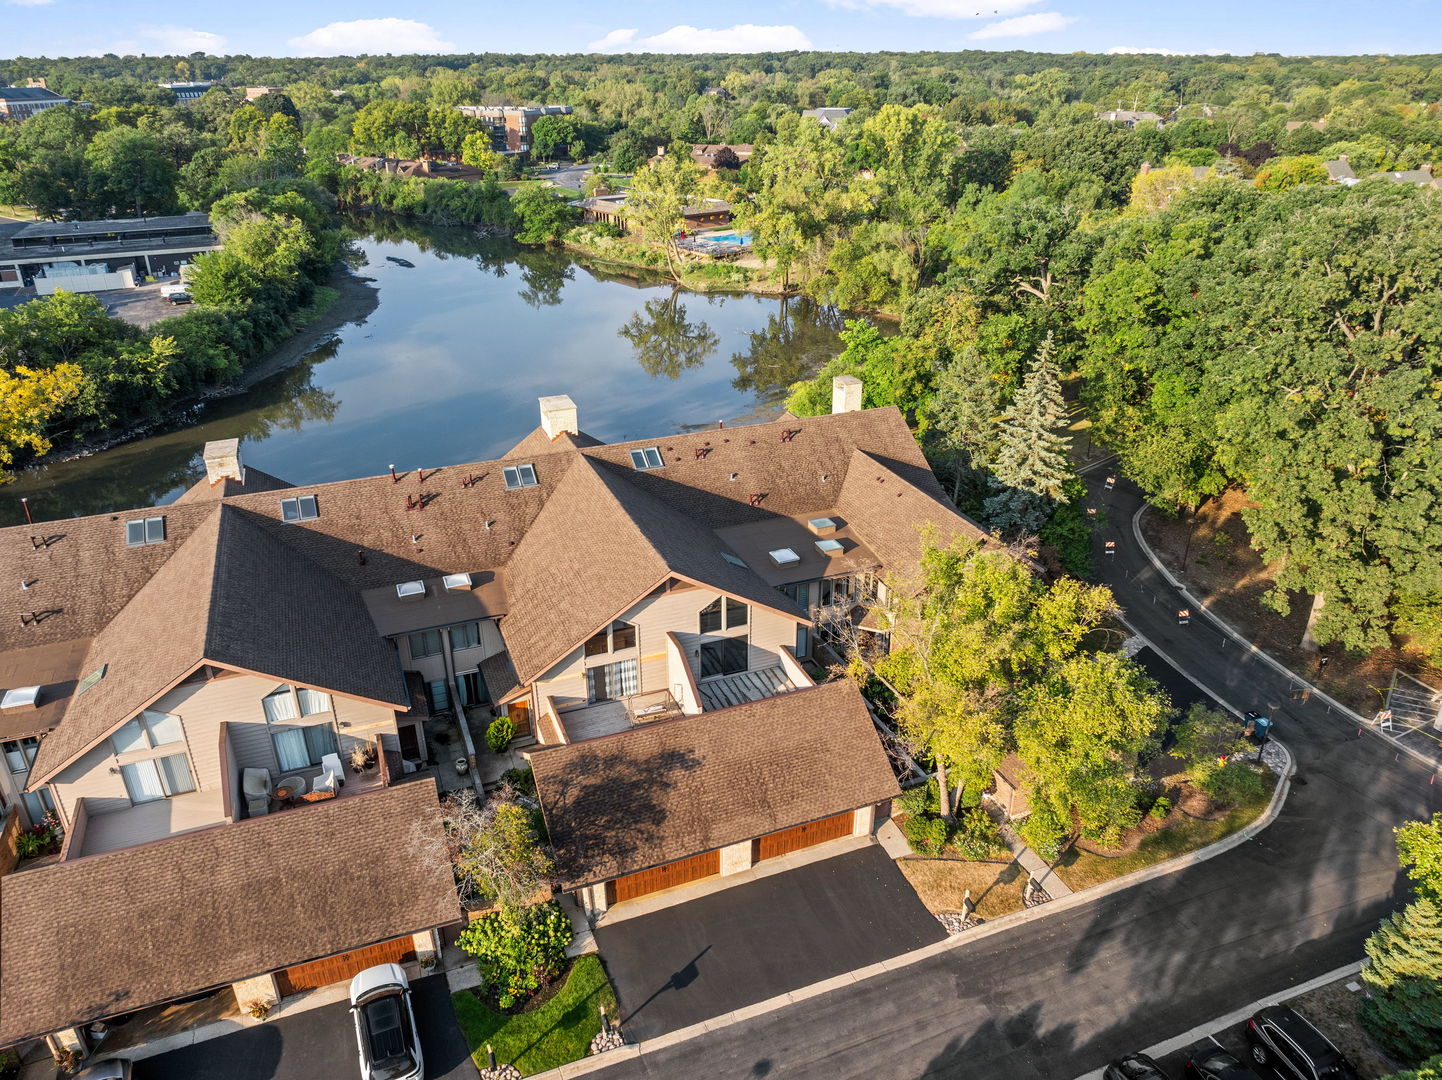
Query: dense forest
(1228, 315)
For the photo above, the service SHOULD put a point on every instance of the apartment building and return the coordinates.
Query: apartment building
(22, 102)
(83, 256)
(510, 125)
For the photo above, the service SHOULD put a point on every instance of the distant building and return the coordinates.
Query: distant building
(93, 249)
(611, 210)
(510, 125)
(713, 156)
(828, 118)
(187, 91)
(407, 168)
(718, 91)
(1422, 177)
(1340, 171)
(253, 92)
(1130, 118)
(1315, 125)
(23, 102)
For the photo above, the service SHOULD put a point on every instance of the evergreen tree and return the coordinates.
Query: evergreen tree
(1031, 463)
(1404, 1013)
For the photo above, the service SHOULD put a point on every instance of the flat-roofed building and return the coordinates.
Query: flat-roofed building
(157, 245)
(23, 102)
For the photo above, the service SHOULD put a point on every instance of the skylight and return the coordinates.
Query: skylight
(649, 458)
(144, 531)
(733, 560)
(300, 508)
(456, 581)
(410, 590)
(784, 557)
(829, 547)
(20, 696)
(91, 679)
(519, 476)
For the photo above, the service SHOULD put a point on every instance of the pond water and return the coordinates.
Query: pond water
(450, 364)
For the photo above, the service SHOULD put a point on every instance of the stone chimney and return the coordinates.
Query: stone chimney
(845, 394)
(222, 461)
(558, 414)
(1146, 167)
(1427, 167)
(1342, 157)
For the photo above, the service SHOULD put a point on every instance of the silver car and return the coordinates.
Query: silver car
(385, 1025)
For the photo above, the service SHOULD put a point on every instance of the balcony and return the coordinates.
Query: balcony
(608, 717)
(724, 691)
(93, 833)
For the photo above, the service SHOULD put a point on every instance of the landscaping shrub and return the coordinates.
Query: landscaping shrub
(927, 835)
(1043, 831)
(922, 799)
(1161, 808)
(1233, 783)
(977, 837)
(500, 734)
(522, 779)
(519, 950)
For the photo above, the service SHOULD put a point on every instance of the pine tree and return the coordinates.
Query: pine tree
(1404, 1013)
(1031, 463)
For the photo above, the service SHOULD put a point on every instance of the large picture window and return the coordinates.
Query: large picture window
(724, 657)
(466, 636)
(20, 754)
(148, 731)
(425, 643)
(303, 747)
(722, 613)
(617, 636)
(157, 778)
(611, 681)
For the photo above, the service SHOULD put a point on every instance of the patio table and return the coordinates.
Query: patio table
(289, 789)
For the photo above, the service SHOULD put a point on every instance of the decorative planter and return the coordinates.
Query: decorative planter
(462, 766)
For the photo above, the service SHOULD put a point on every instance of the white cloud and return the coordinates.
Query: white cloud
(28, 3)
(379, 36)
(180, 40)
(745, 37)
(616, 39)
(1132, 50)
(1023, 26)
(942, 9)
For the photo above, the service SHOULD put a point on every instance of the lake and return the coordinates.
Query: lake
(449, 366)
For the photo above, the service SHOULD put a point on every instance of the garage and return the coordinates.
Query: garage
(802, 836)
(335, 969)
(663, 877)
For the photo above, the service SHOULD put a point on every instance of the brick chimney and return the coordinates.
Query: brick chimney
(846, 394)
(1146, 167)
(558, 414)
(222, 461)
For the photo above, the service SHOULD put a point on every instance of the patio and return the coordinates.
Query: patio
(609, 717)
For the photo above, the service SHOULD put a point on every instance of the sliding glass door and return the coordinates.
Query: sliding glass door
(157, 778)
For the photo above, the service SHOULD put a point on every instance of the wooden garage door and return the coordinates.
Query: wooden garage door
(803, 836)
(337, 968)
(663, 877)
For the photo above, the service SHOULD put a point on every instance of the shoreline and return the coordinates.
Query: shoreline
(355, 299)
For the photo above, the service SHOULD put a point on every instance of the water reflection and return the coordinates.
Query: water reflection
(449, 365)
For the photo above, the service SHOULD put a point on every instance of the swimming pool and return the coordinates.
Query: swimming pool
(740, 239)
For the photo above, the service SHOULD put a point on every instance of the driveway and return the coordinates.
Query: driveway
(717, 953)
(314, 1044)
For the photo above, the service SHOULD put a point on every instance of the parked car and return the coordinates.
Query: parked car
(1283, 1038)
(385, 1025)
(1211, 1062)
(1133, 1067)
(180, 298)
(114, 1069)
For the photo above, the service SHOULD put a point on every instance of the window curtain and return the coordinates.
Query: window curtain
(313, 701)
(290, 749)
(612, 680)
(142, 781)
(175, 775)
(320, 740)
(279, 706)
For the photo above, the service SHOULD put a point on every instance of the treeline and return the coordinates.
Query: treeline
(69, 371)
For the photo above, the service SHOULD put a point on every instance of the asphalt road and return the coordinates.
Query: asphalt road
(317, 1044)
(1061, 996)
(709, 956)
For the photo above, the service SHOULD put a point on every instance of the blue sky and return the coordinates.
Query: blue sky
(328, 27)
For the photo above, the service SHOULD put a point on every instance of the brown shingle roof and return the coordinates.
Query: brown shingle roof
(111, 933)
(255, 481)
(663, 791)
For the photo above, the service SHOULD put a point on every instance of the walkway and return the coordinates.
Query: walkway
(1060, 996)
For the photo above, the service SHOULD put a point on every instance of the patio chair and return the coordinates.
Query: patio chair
(326, 783)
(330, 763)
(255, 783)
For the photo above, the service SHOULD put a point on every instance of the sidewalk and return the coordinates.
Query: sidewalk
(1040, 871)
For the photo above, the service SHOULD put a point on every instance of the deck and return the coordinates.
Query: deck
(744, 686)
(609, 717)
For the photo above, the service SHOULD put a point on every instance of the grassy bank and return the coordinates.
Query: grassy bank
(697, 276)
(557, 1031)
(942, 883)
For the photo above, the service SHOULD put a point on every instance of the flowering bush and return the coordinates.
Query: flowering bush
(519, 949)
(41, 839)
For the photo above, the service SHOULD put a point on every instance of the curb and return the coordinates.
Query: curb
(991, 927)
(1281, 668)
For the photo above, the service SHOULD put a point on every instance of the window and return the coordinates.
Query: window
(144, 531)
(91, 679)
(471, 688)
(735, 614)
(158, 778)
(617, 636)
(20, 753)
(803, 641)
(437, 695)
(279, 706)
(649, 458)
(801, 593)
(733, 560)
(146, 731)
(466, 636)
(610, 681)
(38, 804)
(724, 657)
(312, 701)
(426, 643)
(303, 747)
(519, 476)
(300, 508)
(842, 590)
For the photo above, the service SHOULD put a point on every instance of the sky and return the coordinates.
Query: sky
(332, 27)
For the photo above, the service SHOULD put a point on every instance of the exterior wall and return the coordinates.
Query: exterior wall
(124, 278)
(10, 828)
(432, 668)
(736, 858)
(676, 612)
(864, 821)
(261, 988)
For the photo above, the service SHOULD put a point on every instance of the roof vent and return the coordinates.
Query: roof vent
(784, 557)
(411, 590)
(460, 582)
(22, 697)
(821, 526)
(829, 547)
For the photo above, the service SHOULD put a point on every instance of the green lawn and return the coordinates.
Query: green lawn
(1081, 869)
(559, 1031)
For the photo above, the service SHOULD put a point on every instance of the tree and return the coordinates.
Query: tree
(1204, 739)
(477, 152)
(658, 195)
(29, 400)
(544, 216)
(274, 102)
(494, 850)
(1286, 172)
(1431, 1069)
(549, 132)
(1404, 1011)
(1419, 849)
(666, 342)
(1031, 463)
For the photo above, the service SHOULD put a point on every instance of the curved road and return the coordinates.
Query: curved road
(1060, 996)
